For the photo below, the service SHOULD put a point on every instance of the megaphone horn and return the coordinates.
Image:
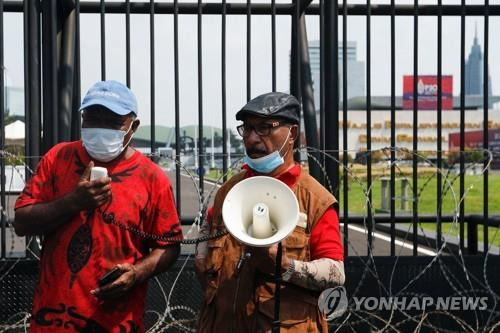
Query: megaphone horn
(260, 211)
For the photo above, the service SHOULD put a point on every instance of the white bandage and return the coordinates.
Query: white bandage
(318, 274)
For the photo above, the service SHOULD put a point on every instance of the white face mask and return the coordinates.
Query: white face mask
(268, 163)
(104, 144)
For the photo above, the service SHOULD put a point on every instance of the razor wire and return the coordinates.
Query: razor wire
(167, 319)
(368, 265)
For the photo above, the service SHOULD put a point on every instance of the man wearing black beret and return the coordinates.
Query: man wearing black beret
(239, 290)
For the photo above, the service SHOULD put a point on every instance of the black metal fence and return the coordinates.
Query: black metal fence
(52, 33)
(61, 91)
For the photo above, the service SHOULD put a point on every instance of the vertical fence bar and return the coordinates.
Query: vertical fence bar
(76, 118)
(294, 53)
(127, 42)
(50, 87)
(32, 84)
(273, 43)
(308, 105)
(200, 97)
(103, 40)
(415, 128)
(344, 127)
(332, 93)
(369, 126)
(322, 80)
(295, 61)
(225, 161)
(393, 129)
(249, 50)
(321, 88)
(439, 201)
(26, 82)
(2, 141)
(307, 93)
(176, 109)
(462, 123)
(65, 88)
(486, 107)
(152, 73)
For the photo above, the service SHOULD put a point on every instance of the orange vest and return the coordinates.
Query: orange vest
(243, 301)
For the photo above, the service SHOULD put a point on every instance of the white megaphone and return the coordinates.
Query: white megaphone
(260, 211)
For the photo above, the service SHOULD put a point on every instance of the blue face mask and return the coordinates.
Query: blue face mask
(268, 163)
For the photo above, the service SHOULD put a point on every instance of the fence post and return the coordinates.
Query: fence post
(50, 58)
(404, 194)
(332, 93)
(32, 81)
(472, 223)
(295, 65)
(32, 97)
(385, 197)
(75, 115)
(66, 71)
(58, 36)
(2, 141)
(308, 107)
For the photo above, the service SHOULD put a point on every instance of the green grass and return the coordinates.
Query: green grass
(427, 190)
(215, 174)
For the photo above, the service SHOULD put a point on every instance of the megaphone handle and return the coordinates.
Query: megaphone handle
(277, 276)
(241, 261)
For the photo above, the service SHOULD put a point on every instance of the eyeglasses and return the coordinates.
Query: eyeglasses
(262, 129)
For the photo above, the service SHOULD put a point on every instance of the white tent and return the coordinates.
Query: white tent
(14, 175)
(14, 133)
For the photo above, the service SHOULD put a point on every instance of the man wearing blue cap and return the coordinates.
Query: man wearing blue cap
(95, 226)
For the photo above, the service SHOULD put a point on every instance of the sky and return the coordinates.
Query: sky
(236, 56)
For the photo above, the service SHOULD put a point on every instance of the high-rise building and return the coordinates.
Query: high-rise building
(474, 71)
(355, 71)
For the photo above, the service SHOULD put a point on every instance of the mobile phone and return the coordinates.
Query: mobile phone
(98, 172)
(109, 277)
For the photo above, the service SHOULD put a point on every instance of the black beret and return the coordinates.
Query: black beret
(272, 105)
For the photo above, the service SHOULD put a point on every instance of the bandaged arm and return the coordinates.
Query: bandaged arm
(318, 274)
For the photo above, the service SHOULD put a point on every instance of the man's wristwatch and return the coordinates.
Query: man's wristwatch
(287, 275)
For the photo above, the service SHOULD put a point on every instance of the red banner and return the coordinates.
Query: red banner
(427, 91)
(474, 140)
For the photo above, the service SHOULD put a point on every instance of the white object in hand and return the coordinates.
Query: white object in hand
(261, 227)
(98, 172)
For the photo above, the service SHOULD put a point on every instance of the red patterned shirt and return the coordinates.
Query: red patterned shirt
(83, 249)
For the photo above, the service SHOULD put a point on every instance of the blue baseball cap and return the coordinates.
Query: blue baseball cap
(113, 95)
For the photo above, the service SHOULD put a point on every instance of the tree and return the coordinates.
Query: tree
(183, 142)
(235, 142)
(217, 140)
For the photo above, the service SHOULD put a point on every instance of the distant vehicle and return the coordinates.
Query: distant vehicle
(166, 152)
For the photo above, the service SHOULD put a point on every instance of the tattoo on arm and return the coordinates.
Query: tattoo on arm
(318, 274)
